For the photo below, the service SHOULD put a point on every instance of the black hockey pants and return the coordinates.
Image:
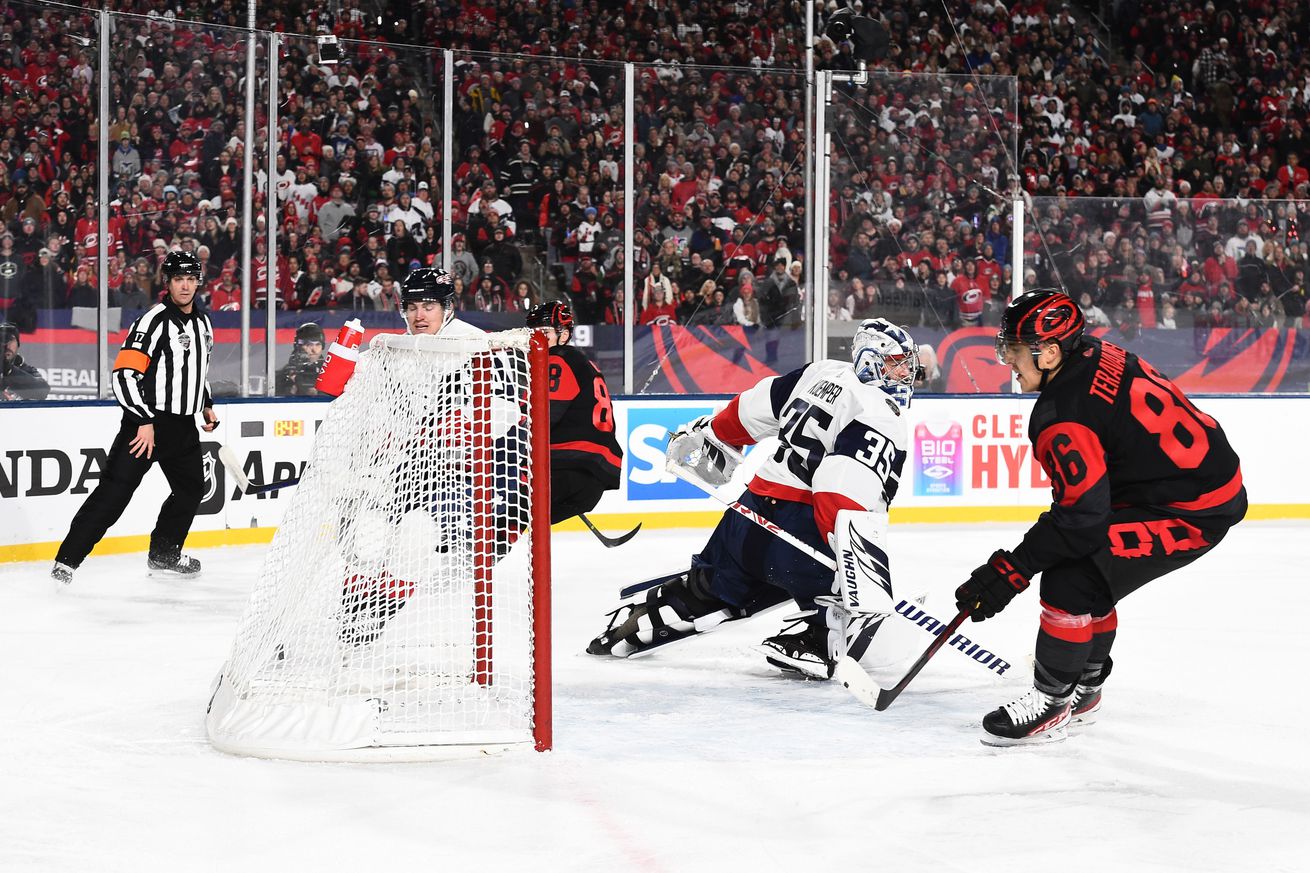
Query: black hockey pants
(177, 451)
(1143, 543)
(573, 492)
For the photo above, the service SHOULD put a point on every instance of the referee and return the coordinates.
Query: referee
(159, 380)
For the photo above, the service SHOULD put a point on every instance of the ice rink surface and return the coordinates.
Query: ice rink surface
(697, 759)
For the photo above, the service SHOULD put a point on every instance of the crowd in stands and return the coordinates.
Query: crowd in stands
(1135, 163)
(1165, 189)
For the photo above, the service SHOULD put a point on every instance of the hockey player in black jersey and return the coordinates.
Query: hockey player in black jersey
(1143, 483)
(585, 458)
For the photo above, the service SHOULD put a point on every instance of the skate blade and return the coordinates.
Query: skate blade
(1044, 738)
(171, 574)
(789, 670)
(1086, 720)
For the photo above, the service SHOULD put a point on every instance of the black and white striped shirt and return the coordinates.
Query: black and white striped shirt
(164, 362)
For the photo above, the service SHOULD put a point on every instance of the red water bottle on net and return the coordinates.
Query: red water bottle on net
(342, 356)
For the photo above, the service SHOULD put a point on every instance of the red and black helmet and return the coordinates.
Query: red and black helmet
(1043, 316)
(557, 315)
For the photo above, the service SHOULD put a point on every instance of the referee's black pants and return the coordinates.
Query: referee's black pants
(177, 451)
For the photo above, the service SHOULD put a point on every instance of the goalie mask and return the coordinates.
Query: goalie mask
(886, 357)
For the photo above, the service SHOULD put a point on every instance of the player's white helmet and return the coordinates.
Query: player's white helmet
(887, 357)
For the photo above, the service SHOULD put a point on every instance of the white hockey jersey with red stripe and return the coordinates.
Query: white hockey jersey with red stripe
(841, 443)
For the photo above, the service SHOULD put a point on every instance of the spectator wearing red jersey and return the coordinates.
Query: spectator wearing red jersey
(224, 293)
(305, 143)
(660, 309)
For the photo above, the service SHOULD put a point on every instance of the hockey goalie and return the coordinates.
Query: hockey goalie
(841, 446)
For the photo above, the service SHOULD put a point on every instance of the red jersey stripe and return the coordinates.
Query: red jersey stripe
(727, 426)
(590, 448)
(765, 488)
(1211, 499)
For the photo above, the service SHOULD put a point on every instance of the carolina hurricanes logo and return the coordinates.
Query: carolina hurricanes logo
(1058, 319)
(973, 295)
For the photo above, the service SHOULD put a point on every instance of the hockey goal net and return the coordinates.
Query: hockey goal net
(403, 607)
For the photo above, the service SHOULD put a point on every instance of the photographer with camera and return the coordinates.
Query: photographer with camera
(18, 379)
(298, 376)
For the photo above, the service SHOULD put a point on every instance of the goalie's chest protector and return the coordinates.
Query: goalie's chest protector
(835, 434)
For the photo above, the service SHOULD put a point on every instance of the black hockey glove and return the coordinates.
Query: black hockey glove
(991, 587)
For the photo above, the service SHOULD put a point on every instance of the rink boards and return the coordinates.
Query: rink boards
(968, 460)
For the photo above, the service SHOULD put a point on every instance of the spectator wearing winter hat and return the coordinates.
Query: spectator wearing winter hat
(588, 232)
(462, 263)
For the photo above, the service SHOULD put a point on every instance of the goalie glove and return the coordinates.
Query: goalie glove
(694, 449)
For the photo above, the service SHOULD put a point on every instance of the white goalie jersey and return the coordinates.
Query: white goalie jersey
(841, 443)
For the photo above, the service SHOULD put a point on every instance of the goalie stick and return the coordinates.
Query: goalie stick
(609, 542)
(847, 671)
(229, 459)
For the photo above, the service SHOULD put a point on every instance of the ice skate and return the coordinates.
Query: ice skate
(1035, 718)
(1085, 706)
(1087, 694)
(174, 565)
(800, 650)
(62, 576)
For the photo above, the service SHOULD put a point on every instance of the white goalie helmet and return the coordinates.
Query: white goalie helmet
(886, 356)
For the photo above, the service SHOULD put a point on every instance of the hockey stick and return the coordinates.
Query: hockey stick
(887, 695)
(609, 542)
(229, 459)
(647, 584)
(847, 671)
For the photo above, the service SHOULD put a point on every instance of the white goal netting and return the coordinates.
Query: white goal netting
(395, 609)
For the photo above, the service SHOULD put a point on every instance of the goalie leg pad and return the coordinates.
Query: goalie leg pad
(864, 578)
(673, 611)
